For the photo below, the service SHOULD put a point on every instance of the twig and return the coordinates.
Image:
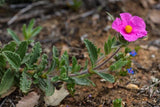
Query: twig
(11, 102)
(25, 10)
(98, 66)
(154, 84)
(150, 104)
(3, 102)
(17, 6)
(86, 14)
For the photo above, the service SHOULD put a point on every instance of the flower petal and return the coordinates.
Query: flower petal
(125, 17)
(129, 36)
(117, 24)
(138, 23)
(141, 33)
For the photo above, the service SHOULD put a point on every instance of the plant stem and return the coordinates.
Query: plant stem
(98, 66)
(80, 73)
(100, 59)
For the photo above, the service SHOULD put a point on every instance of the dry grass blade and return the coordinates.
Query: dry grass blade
(29, 101)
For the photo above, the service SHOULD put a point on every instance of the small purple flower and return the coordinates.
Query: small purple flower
(133, 53)
(130, 71)
(67, 105)
(89, 95)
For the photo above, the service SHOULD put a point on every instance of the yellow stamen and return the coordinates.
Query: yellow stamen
(128, 29)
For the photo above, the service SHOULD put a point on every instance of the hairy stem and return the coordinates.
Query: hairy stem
(98, 66)
(80, 73)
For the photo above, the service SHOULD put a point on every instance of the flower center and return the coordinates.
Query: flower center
(128, 29)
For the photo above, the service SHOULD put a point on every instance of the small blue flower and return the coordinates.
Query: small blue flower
(133, 53)
(130, 71)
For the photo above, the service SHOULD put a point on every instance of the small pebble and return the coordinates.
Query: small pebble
(153, 48)
(132, 86)
(153, 56)
(107, 28)
(95, 17)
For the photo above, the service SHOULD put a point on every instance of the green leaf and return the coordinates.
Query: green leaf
(13, 35)
(25, 82)
(36, 31)
(2, 61)
(123, 41)
(55, 52)
(81, 81)
(24, 30)
(111, 16)
(55, 78)
(74, 62)
(26, 58)
(22, 49)
(10, 46)
(86, 65)
(107, 77)
(117, 103)
(119, 56)
(63, 73)
(92, 49)
(46, 86)
(75, 66)
(43, 63)
(118, 65)
(7, 81)
(31, 24)
(127, 50)
(53, 66)
(71, 88)
(36, 51)
(65, 59)
(109, 45)
(13, 59)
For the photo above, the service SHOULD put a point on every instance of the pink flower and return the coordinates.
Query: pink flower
(130, 27)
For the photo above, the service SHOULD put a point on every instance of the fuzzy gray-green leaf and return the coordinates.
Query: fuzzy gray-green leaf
(92, 49)
(46, 86)
(3, 61)
(13, 59)
(36, 51)
(25, 82)
(10, 46)
(107, 77)
(43, 63)
(118, 65)
(7, 81)
(22, 49)
(81, 81)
